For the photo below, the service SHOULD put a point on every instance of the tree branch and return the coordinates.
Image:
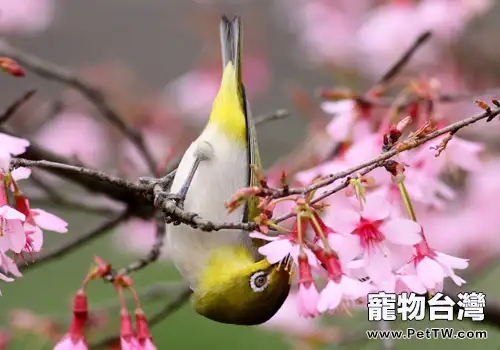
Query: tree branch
(150, 257)
(277, 115)
(14, 107)
(407, 145)
(404, 59)
(54, 72)
(130, 193)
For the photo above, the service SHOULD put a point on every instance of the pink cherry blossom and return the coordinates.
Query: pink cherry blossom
(48, 221)
(39, 217)
(11, 146)
(376, 237)
(308, 299)
(347, 288)
(432, 267)
(279, 247)
(339, 286)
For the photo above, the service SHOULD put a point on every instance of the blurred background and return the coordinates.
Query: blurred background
(159, 63)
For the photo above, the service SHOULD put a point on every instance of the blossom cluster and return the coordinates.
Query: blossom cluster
(372, 236)
(20, 225)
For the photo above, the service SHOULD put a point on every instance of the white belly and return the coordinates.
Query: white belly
(214, 183)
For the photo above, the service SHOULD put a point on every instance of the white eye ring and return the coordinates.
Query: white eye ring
(259, 281)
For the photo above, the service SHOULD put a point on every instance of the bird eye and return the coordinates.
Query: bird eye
(259, 281)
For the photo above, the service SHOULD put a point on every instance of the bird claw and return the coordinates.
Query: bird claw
(149, 180)
(175, 197)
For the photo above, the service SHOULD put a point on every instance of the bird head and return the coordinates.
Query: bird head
(235, 289)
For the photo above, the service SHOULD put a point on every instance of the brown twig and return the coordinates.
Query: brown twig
(386, 155)
(404, 59)
(136, 202)
(96, 174)
(277, 115)
(150, 257)
(130, 193)
(77, 242)
(54, 72)
(14, 107)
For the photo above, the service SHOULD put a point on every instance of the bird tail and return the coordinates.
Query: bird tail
(230, 39)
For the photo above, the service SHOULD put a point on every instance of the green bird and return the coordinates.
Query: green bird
(231, 282)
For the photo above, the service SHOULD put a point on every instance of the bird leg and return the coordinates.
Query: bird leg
(203, 152)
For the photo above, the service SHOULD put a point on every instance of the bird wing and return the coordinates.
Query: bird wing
(231, 38)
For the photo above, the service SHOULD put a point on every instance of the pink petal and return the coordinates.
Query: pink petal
(10, 213)
(354, 289)
(35, 235)
(308, 300)
(13, 233)
(376, 208)
(8, 265)
(288, 321)
(347, 247)
(402, 231)
(311, 258)
(260, 235)
(377, 265)
(413, 283)
(13, 145)
(330, 297)
(49, 221)
(344, 113)
(344, 221)
(453, 262)
(400, 254)
(276, 250)
(21, 173)
(457, 279)
(5, 278)
(388, 284)
(430, 272)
